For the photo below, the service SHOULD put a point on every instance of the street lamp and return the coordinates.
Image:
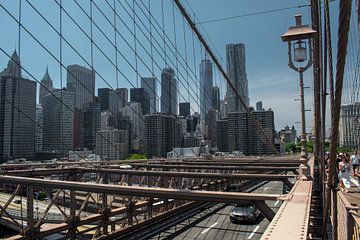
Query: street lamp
(299, 37)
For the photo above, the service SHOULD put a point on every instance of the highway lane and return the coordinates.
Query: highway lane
(217, 225)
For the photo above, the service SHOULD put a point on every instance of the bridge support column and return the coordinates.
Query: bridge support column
(265, 209)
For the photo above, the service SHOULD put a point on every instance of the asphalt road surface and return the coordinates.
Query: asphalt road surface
(215, 223)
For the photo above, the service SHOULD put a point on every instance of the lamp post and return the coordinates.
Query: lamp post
(299, 38)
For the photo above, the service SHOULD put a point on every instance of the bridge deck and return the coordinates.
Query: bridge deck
(294, 214)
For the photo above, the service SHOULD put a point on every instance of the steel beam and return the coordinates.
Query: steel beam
(265, 210)
(210, 196)
(209, 167)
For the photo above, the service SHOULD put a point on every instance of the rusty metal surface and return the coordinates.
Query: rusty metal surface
(291, 221)
(210, 196)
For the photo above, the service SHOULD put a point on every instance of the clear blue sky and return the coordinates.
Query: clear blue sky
(270, 79)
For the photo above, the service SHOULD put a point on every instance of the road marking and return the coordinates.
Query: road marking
(276, 203)
(253, 232)
(266, 188)
(205, 231)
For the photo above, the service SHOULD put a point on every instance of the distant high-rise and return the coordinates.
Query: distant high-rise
(81, 81)
(134, 111)
(112, 144)
(216, 98)
(169, 95)
(221, 135)
(236, 70)
(141, 96)
(58, 121)
(149, 84)
(46, 85)
(349, 132)
(206, 84)
(17, 113)
(259, 106)
(103, 94)
(184, 109)
(39, 129)
(90, 123)
(112, 100)
(244, 136)
(160, 134)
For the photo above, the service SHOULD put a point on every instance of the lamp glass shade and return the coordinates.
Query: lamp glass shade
(300, 51)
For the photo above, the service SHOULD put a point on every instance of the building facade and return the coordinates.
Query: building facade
(112, 144)
(206, 85)
(184, 109)
(221, 135)
(39, 129)
(58, 121)
(150, 86)
(350, 125)
(46, 85)
(244, 135)
(17, 113)
(236, 70)
(169, 92)
(81, 81)
(90, 123)
(216, 98)
(141, 96)
(160, 134)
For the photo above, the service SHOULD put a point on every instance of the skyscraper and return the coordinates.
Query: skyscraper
(17, 112)
(160, 134)
(81, 81)
(149, 84)
(259, 106)
(39, 129)
(169, 96)
(112, 144)
(58, 121)
(184, 109)
(236, 70)
(46, 85)
(103, 94)
(90, 123)
(244, 136)
(206, 84)
(216, 98)
(141, 96)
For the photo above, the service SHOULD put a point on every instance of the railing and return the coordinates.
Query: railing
(348, 219)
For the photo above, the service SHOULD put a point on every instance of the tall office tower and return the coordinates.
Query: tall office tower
(149, 84)
(236, 70)
(221, 135)
(58, 121)
(90, 123)
(210, 120)
(160, 134)
(141, 96)
(216, 98)
(104, 97)
(169, 97)
(259, 106)
(39, 129)
(112, 144)
(184, 109)
(206, 84)
(244, 136)
(81, 81)
(17, 113)
(134, 111)
(123, 94)
(350, 125)
(287, 135)
(46, 85)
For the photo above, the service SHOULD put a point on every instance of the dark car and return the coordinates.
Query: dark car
(17, 201)
(244, 212)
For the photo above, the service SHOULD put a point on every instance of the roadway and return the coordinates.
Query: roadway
(214, 223)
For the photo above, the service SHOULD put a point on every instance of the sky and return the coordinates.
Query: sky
(270, 79)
